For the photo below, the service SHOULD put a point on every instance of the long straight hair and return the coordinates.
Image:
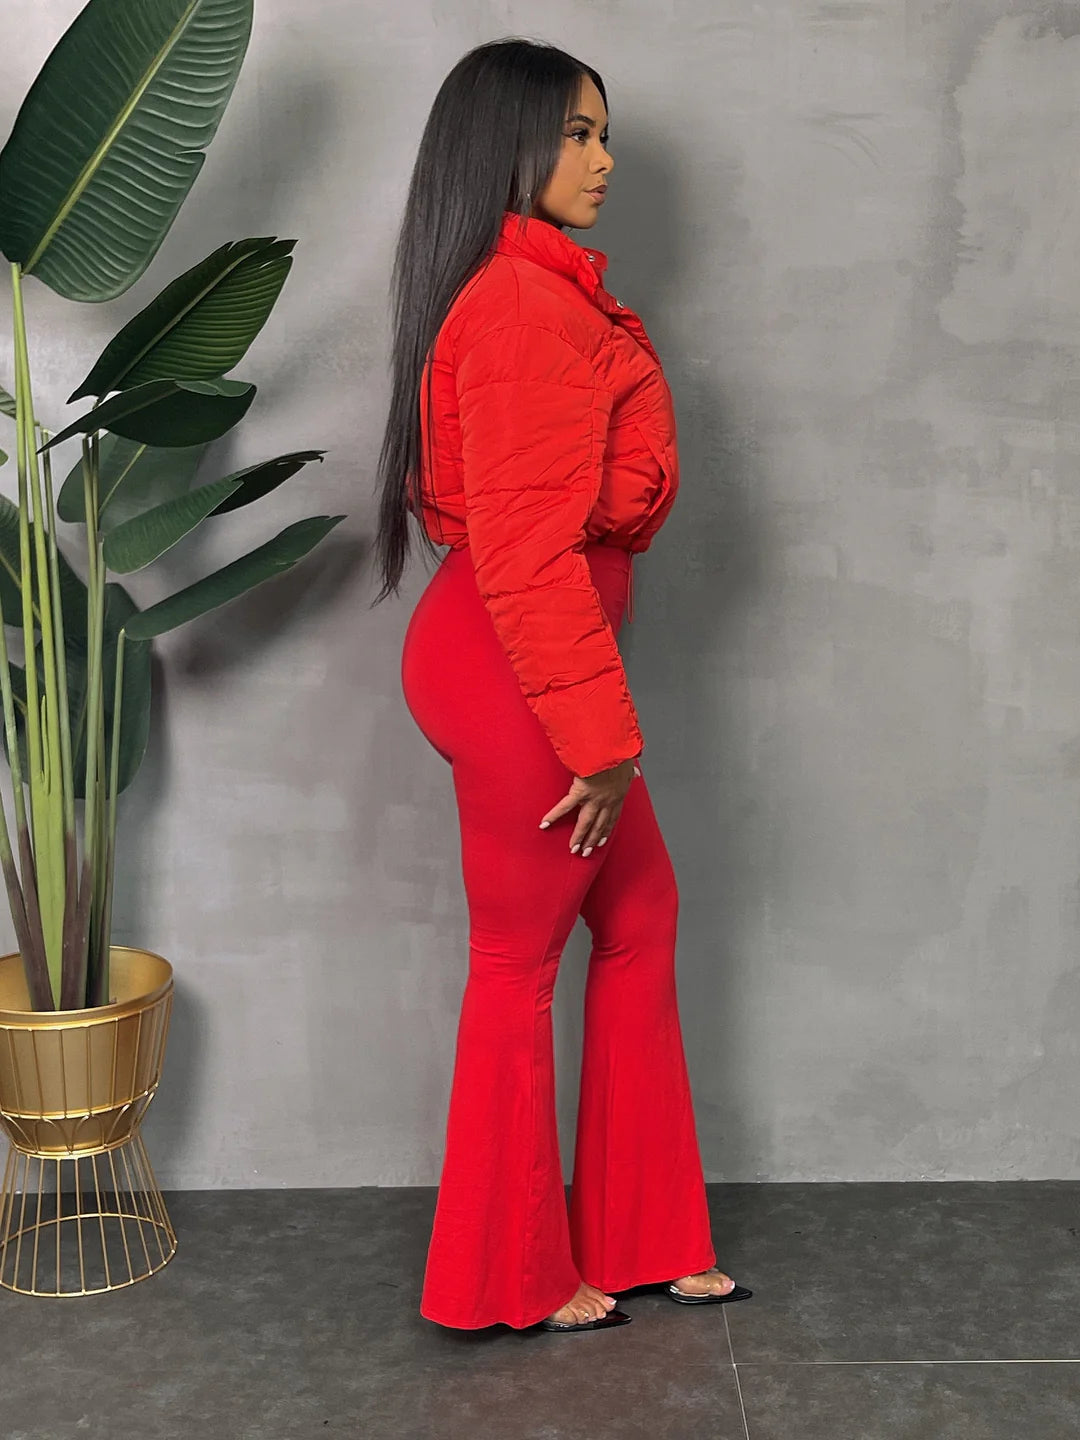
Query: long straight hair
(490, 145)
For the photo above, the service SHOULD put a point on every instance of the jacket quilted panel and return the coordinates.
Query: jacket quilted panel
(551, 425)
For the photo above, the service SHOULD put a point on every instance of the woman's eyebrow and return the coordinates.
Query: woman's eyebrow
(587, 118)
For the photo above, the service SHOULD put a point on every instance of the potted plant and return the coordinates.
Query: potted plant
(102, 154)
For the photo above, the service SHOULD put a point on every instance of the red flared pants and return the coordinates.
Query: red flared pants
(505, 1247)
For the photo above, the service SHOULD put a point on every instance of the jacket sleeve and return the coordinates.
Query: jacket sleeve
(534, 420)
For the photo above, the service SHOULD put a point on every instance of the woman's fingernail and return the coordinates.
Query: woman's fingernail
(587, 851)
(603, 841)
(575, 848)
(544, 824)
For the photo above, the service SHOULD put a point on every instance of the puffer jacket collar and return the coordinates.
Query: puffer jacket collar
(583, 264)
(547, 245)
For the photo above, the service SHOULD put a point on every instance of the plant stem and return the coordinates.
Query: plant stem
(46, 779)
(93, 813)
(72, 970)
(30, 946)
(29, 843)
(114, 777)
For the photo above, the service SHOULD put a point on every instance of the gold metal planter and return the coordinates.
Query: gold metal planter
(80, 1209)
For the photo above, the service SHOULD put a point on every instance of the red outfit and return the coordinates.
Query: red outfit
(543, 407)
(551, 424)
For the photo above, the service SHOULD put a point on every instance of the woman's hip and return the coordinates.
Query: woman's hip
(452, 595)
(454, 668)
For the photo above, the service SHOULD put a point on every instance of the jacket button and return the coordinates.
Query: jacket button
(590, 257)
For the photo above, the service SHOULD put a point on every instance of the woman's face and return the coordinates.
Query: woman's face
(583, 165)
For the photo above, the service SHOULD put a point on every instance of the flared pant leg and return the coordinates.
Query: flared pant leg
(638, 1208)
(503, 1246)
(500, 1247)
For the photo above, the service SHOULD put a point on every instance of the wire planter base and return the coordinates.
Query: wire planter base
(82, 1224)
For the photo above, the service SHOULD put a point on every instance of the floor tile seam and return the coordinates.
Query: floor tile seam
(735, 1372)
(991, 1360)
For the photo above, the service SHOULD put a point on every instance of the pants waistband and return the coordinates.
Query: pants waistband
(592, 549)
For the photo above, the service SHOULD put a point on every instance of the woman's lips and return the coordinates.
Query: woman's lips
(597, 195)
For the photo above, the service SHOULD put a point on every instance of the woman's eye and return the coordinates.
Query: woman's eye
(583, 135)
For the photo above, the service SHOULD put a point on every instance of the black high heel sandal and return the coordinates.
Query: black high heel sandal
(738, 1292)
(614, 1316)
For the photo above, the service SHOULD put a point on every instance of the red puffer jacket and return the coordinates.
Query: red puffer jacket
(552, 425)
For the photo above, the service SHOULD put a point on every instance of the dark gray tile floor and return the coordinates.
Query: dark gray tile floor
(880, 1312)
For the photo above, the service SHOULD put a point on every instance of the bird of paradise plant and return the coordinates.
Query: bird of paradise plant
(103, 152)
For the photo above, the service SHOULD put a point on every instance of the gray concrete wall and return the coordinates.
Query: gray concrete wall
(853, 231)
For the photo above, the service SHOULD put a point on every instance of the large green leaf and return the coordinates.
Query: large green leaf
(276, 556)
(167, 412)
(138, 541)
(199, 326)
(136, 481)
(132, 477)
(111, 135)
(259, 480)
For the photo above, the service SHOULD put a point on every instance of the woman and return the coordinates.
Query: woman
(533, 409)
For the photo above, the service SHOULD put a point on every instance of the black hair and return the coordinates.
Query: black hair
(491, 141)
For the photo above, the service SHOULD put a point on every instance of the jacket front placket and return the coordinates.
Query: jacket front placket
(593, 285)
(588, 267)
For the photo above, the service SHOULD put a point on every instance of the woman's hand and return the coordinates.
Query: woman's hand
(601, 799)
